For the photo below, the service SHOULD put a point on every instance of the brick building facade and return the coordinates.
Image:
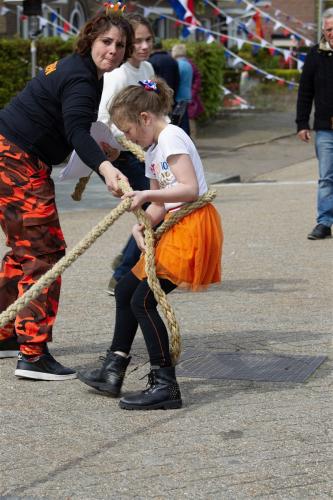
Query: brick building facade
(76, 12)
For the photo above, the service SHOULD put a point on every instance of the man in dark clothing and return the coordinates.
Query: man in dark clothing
(165, 65)
(316, 86)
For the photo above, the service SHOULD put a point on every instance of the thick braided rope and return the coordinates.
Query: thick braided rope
(126, 143)
(185, 209)
(150, 268)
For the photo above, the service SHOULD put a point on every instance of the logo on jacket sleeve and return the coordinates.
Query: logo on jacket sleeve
(51, 68)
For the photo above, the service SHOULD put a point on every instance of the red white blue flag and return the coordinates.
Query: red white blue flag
(184, 10)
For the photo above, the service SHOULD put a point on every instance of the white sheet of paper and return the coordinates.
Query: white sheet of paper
(75, 167)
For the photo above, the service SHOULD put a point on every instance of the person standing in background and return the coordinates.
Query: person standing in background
(165, 66)
(195, 107)
(316, 87)
(184, 93)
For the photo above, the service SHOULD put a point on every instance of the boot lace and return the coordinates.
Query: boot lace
(151, 380)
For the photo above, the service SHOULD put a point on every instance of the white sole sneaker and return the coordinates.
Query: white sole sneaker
(8, 354)
(43, 376)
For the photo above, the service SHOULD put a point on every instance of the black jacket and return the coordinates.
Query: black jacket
(316, 85)
(53, 113)
(166, 67)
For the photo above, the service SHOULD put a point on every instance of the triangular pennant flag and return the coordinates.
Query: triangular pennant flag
(42, 22)
(300, 65)
(3, 11)
(236, 61)
(240, 43)
(286, 55)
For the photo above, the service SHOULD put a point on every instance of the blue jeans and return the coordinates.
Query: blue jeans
(134, 170)
(324, 152)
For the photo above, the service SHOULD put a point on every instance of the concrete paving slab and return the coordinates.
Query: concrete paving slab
(232, 439)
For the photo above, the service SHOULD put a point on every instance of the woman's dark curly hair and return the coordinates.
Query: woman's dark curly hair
(98, 25)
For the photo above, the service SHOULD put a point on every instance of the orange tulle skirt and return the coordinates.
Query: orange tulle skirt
(189, 254)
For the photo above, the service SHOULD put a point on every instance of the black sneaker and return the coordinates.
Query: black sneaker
(112, 285)
(320, 232)
(9, 348)
(43, 367)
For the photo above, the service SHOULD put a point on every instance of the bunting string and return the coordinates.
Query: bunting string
(287, 54)
(278, 24)
(230, 53)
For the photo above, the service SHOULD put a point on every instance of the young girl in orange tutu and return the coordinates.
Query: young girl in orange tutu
(188, 254)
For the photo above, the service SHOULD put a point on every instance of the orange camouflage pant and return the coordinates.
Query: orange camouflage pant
(29, 219)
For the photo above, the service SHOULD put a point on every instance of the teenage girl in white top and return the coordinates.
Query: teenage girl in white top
(134, 69)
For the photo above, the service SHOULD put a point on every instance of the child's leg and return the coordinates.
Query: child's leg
(126, 323)
(109, 378)
(144, 307)
(163, 390)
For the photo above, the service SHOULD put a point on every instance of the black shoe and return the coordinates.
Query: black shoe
(9, 348)
(110, 377)
(320, 232)
(111, 286)
(163, 393)
(43, 367)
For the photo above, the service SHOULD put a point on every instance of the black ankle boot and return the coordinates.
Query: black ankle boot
(110, 377)
(163, 392)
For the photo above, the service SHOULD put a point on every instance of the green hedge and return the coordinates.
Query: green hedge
(15, 66)
(15, 62)
(232, 77)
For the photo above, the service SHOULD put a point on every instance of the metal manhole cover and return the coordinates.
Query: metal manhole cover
(247, 366)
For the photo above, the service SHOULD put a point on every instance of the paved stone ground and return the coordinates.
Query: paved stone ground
(232, 439)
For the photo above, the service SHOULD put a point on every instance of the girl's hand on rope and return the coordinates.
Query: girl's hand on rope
(112, 175)
(138, 199)
(110, 152)
(138, 233)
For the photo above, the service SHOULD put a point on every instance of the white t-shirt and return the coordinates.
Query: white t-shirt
(172, 141)
(117, 80)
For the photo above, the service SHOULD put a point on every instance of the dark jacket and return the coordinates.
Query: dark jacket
(316, 85)
(166, 67)
(53, 114)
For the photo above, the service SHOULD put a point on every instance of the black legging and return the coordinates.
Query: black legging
(136, 305)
